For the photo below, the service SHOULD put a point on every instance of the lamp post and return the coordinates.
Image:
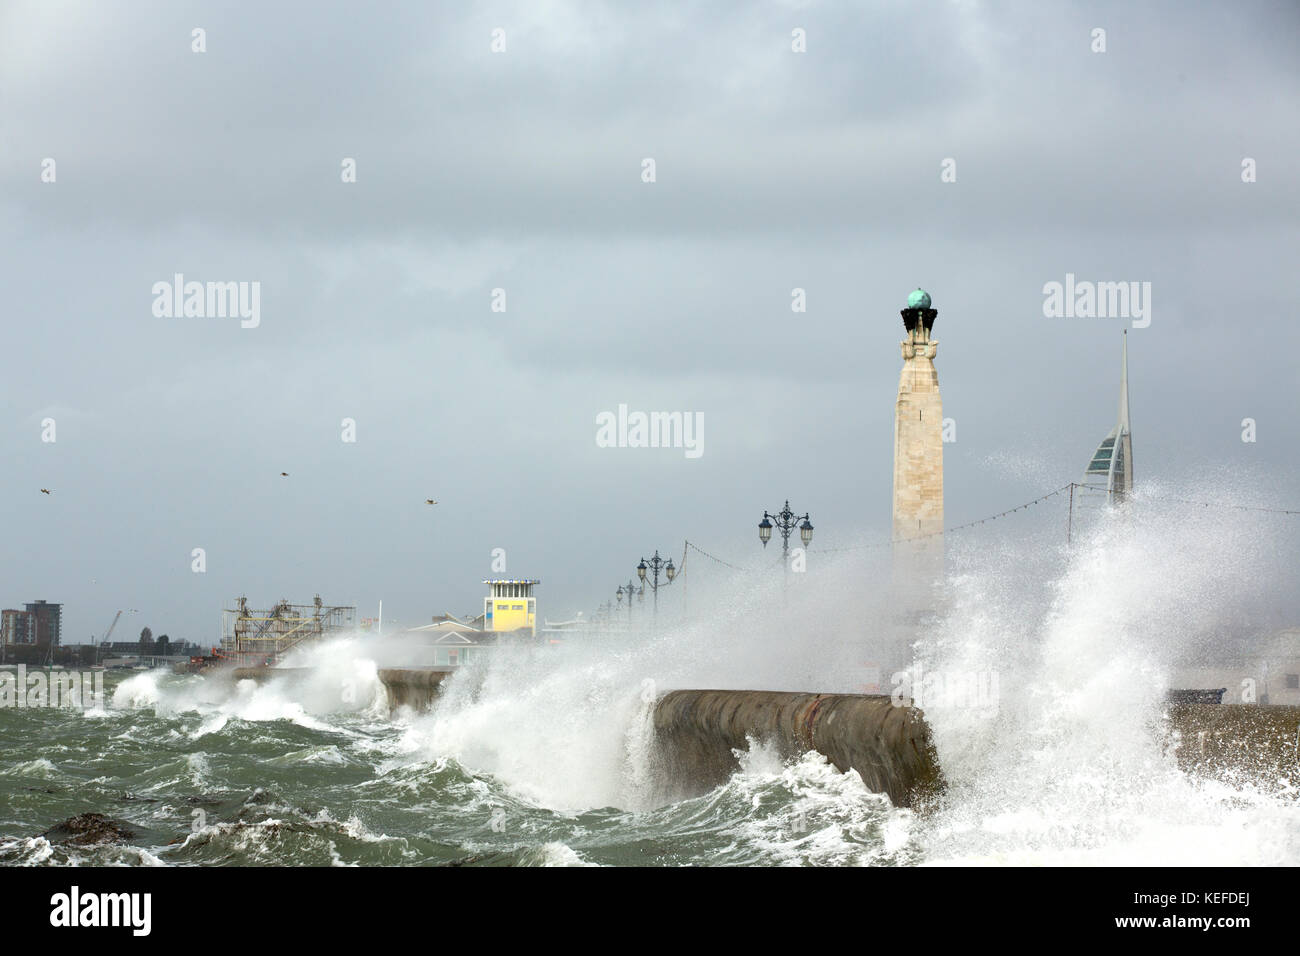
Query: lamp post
(655, 565)
(785, 523)
(627, 590)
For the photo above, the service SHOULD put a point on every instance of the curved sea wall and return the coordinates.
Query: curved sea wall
(696, 732)
(413, 687)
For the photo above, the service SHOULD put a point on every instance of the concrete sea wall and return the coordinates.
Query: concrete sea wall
(1256, 742)
(413, 687)
(696, 732)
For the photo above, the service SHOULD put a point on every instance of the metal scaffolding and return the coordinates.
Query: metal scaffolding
(255, 637)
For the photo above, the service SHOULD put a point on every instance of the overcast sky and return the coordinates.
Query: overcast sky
(522, 170)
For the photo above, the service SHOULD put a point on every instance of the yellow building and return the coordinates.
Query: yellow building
(510, 605)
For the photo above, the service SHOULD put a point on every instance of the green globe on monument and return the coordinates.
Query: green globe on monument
(920, 299)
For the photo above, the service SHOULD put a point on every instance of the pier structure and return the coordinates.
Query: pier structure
(252, 638)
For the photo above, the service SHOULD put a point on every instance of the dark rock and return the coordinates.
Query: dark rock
(88, 829)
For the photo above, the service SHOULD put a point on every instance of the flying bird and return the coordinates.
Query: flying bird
(430, 501)
(45, 491)
(284, 474)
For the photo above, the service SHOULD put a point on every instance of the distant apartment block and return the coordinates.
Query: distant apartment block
(48, 619)
(16, 627)
(40, 623)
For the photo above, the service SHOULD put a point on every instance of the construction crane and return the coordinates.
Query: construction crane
(104, 640)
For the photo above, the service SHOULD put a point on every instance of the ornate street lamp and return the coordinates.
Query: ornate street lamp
(654, 566)
(627, 590)
(785, 523)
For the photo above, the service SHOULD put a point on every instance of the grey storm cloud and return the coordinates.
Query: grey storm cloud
(522, 171)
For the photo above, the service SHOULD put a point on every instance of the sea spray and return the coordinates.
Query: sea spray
(543, 756)
(1075, 764)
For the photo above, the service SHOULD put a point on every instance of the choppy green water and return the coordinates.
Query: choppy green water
(201, 785)
(544, 762)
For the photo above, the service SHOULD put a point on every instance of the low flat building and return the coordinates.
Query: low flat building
(509, 619)
(1270, 675)
(448, 644)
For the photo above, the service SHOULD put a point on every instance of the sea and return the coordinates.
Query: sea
(543, 758)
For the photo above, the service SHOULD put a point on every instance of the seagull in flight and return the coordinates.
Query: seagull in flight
(430, 501)
(45, 491)
(284, 474)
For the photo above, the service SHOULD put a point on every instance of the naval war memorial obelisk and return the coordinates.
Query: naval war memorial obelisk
(918, 455)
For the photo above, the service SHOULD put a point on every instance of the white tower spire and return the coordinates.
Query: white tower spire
(1111, 468)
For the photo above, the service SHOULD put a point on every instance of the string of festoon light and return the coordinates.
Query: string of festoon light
(1226, 507)
(693, 547)
(1070, 487)
(960, 527)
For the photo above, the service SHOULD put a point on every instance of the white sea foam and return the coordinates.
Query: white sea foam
(553, 854)
(40, 767)
(1073, 766)
(805, 812)
(338, 677)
